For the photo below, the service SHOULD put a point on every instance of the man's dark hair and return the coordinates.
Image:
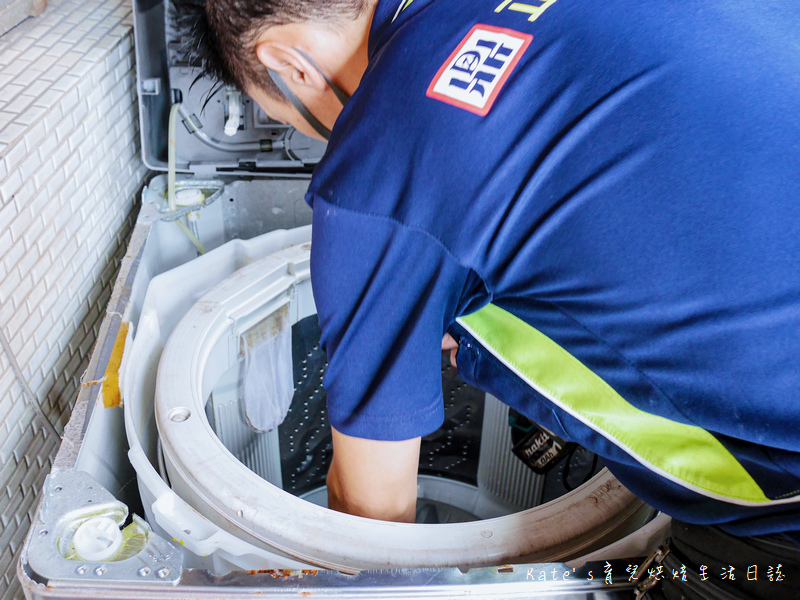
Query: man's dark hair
(221, 35)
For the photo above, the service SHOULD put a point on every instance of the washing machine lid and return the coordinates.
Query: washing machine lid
(227, 492)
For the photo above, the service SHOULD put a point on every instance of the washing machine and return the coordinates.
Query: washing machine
(170, 482)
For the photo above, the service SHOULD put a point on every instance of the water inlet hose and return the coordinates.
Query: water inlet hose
(171, 202)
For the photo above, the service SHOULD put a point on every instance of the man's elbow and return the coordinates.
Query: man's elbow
(384, 504)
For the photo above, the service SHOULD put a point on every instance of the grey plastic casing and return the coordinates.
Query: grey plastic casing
(166, 72)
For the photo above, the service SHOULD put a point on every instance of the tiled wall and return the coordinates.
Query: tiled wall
(70, 174)
(13, 12)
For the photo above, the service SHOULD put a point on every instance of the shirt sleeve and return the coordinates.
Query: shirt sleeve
(385, 295)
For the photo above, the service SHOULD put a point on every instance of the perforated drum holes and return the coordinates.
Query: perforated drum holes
(179, 415)
(305, 437)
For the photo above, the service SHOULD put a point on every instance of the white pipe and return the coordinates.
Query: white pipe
(171, 202)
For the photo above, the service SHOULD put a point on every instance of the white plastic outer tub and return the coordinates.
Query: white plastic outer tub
(288, 530)
(169, 295)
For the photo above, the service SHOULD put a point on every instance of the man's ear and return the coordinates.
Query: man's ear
(290, 65)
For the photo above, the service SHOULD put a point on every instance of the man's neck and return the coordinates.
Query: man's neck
(355, 39)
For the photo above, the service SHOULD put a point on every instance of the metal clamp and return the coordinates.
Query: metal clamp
(199, 184)
(645, 585)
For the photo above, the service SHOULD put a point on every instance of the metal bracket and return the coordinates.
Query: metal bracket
(69, 499)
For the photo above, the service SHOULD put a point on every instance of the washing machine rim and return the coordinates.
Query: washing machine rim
(224, 490)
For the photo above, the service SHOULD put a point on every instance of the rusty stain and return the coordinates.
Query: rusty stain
(306, 594)
(205, 306)
(283, 573)
(506, 569)
(268, 328)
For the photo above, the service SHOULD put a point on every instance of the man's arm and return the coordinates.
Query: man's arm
(374, 479)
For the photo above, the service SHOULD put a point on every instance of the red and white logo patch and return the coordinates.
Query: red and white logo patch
(476, 71)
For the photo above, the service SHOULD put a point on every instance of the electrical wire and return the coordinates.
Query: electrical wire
(194, 128)
(27, 392)
(173, 118)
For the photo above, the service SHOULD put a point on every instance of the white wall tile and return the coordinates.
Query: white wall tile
(11, 258)
(10, 132)
(48, 99)
(64, 128)
(33, 54)
(23, 288)
(16, 67)
(20, 224)
(8, 286)
(67, 131)
(26, 192)
(47, 147)
(10, 90)
(5, 246)
(54, 72)
(27, 168)
(44, 62)
(56, 181)
(30, 114)
(9, 186)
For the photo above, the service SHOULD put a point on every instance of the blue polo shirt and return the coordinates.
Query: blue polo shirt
(617, 184)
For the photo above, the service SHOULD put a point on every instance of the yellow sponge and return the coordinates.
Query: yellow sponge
(111, 394)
